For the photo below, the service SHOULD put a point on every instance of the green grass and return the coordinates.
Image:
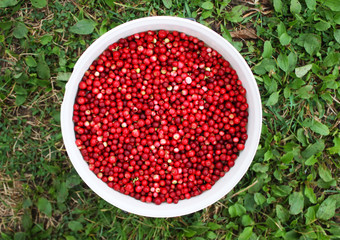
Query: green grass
(291, 190)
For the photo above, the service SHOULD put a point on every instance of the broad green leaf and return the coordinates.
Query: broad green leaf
(295, 6)
(310, 215)
(322, 25)
(326, 209)
(287, 158)
(273, 99)
(167, 3)
(311, 4)
(39, 3)
(235, 14)
(211, 235)
(283, 63)
(282, 213)
(320, 128)
(42, 69)
(281, 190)
(305, 92)
(259, 198)
(46, 39)
(45, 206)
(63, 76)
(309, 193)
(336, 147)
(332, 59)
(325, 173)
(311, 161)
(296, 202)
(206, 14)
(8, 3)
(214, 226)
(20, 95)
(285, 39)
(332, 4)
(62, 193)
(20, 30)
(236, 210)
(246, 233)
(292, 60)
(258, 167)
(277, 6)
(302, 71)
(83, 27)
(26, 220)
(30, 61)
(281, 29)
(312, 43)
(75, 226)
(19, 236)
(267, 50)
(207, 5)
(317, 147)
(337, 35)
(247, 220)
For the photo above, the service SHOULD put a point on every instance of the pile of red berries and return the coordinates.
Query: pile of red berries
(160, 116)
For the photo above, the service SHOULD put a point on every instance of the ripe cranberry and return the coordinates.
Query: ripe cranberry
(160, 116)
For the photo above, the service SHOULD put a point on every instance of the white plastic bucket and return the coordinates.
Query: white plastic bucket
(223, 185)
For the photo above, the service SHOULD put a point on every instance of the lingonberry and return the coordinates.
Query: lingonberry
(160, 116)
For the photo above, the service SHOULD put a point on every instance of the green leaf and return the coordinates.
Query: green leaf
(45, 206)
(296, 202)
(302, 71)
(332, 4)
(259, 198)
(46, 39)
(211, 235)
(281, 190)
(30, 61)
(235, 14)
(214, 226)
(282, 61)
(42, 69)
(305, 92)
(277, 6)
(317, 147)
(167, 3)
(325, 173)
(8, 3)
(64, 76)
(292, 59)
(295, 6)
(285, 39)
(246, 233)
(267, 50)
(310, 215)
(19, 236)
(207, 5)
(75, 226)
(326, 209)
(312, 43)
(246, 220)
(282, 213)
(273, 99)
(20, 30)
(83, 27)
(20, 95)
(26, 220)
(62, 193)
(39, 3)
(236, 210)
(322, 25)
(320, 128)
(331, 59)
(311, 4)
(309, 193)
(336, 147)
(206, 14)
(337, 35)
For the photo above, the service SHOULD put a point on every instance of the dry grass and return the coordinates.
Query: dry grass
(11, 197)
